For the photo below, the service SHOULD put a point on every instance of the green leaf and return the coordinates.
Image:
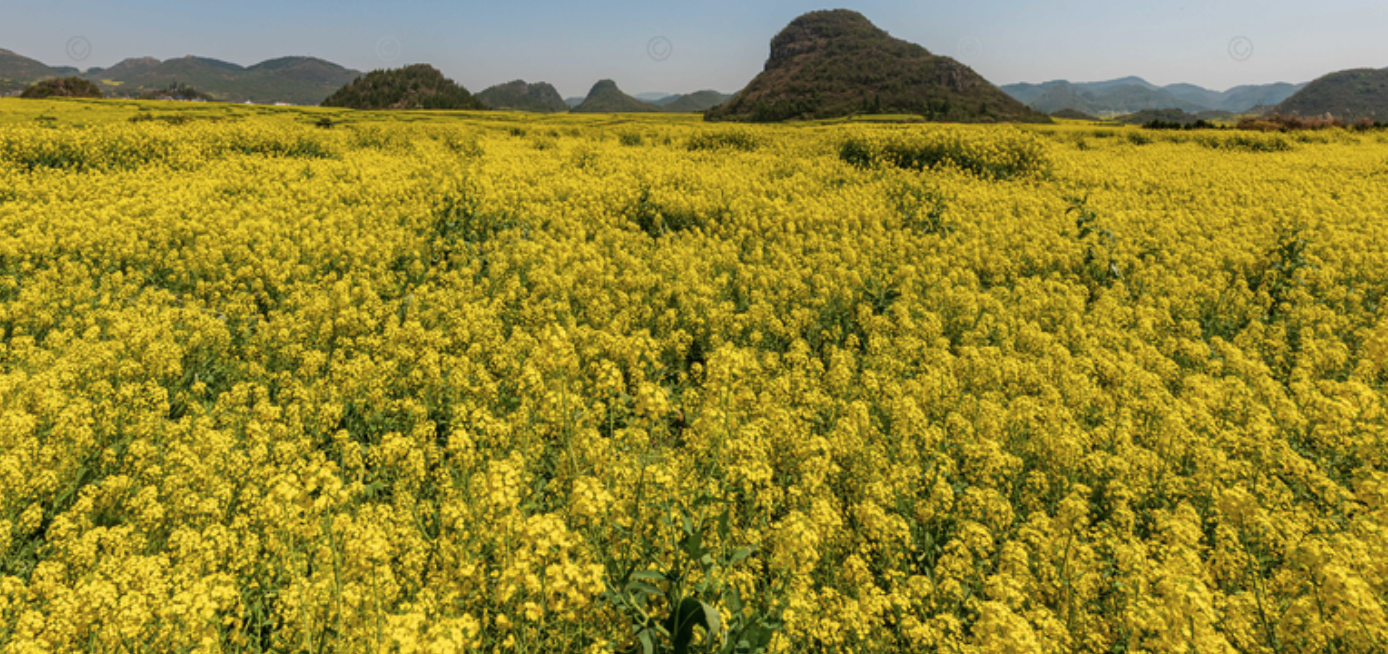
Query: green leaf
(712, 621)
(689, 613)
(758, 637)
(649, 574)
(645, 588)
(694, 546)
(705, 499)
(740, 554)
(647, 645)
(734, 601)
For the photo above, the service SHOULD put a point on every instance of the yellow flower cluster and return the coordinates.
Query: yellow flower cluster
(316, 380)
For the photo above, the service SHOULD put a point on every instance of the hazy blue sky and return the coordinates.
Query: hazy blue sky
(718, 44)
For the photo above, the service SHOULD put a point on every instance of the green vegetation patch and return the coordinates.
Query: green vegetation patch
(1013, 155)
(62, 87)
(419, 86)
(723, 140)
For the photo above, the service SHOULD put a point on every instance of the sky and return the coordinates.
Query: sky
(677, 47)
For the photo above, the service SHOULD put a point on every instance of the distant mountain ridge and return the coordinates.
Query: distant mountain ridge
(296, 80)
(694, 102)
(309, 80)
(605, 97)
(1349, 95)
(17, 67)
(10, 65)
(1132, 94)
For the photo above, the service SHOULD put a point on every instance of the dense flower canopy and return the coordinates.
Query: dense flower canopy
(454, 382)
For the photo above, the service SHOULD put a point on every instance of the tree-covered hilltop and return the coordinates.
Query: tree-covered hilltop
(827, 64)
(1346, 95)
(517, 95)
(62, 87)
(176, 91)
(418, 86)
(606, 98)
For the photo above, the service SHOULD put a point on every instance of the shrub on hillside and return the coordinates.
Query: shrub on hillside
(176, 91)
(998, 154)
(735, 139)
(62, 87)
(1246, 142)
(1277, 123)
(418, 86)
(1176, 125)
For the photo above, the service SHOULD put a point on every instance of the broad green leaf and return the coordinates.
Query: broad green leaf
(734, 601)
(694, 546)
(644, 587)
(682, 621)
(740, 554)
(712, 621)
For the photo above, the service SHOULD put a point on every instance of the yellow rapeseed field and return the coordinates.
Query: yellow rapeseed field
(311, 380)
